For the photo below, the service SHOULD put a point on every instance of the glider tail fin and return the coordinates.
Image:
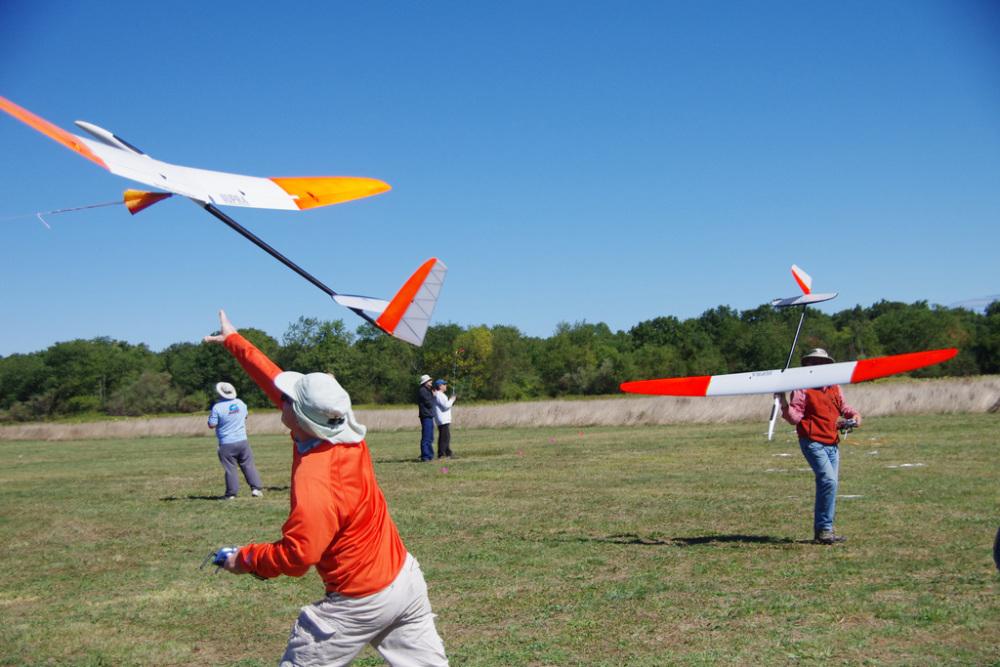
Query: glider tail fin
(409, 312)
(803, 279)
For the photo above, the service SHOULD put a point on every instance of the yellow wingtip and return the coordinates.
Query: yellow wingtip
(324, 191)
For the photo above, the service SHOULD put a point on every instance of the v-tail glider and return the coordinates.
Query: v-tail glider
(406, 316)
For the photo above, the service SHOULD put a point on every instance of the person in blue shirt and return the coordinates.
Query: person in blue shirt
(228, 419)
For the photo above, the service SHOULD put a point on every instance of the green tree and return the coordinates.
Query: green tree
(81, 374)
(512, 376)
(385, 368)
(986, 350)
(21, 377)
(151, 394)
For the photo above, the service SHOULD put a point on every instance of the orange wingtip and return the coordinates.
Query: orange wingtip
(690, 386)
(138, 200)
(880, 367)
(53, 131)
(323, 191)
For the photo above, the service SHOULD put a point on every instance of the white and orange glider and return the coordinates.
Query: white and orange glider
(778, 381)
(405, 316)
(790, 379)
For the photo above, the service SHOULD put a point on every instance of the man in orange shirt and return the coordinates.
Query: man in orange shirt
(339, 523)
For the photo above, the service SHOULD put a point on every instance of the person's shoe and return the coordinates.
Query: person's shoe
(828, 537)
(256, 493)
(452, 456)
(228, 498)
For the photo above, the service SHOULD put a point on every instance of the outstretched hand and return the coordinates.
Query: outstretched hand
(233, 564)
(226, 329)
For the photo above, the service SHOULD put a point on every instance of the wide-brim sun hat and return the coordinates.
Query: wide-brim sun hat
(322, 406)
(424, 379)
(819, 356)
(225, 390)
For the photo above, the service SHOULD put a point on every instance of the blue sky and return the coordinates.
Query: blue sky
(568, 161)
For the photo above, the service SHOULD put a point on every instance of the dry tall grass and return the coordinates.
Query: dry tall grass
(873, 399)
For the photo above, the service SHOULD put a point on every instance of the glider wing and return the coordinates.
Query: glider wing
(207, 187)
(777, 381)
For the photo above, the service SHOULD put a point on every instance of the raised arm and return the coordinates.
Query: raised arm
(261, 369)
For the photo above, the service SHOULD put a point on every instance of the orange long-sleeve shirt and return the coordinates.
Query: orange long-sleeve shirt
(338, 521)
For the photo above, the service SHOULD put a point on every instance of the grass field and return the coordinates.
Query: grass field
(651, 545)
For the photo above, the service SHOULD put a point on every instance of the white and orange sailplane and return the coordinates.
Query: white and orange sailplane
(406, 316)
(790, 379)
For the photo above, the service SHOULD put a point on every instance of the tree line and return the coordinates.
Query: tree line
(102, 376)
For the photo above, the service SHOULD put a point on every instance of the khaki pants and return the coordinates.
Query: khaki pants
(396, 621)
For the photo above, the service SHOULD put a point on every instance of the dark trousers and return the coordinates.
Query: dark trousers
(444, 440)
(426, 438)
(238, 454)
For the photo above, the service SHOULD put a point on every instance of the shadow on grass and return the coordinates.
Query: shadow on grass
(632, 538)
(170, 499)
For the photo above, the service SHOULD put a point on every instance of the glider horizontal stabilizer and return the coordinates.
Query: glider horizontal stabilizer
(777, 381)
(408, 314)
(803, 300)
(204, 186)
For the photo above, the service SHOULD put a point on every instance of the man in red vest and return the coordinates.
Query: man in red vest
(338, 523)
(814, 413)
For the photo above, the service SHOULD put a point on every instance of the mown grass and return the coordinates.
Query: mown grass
(684, 544)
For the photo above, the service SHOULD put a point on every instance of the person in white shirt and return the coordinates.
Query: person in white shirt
(442, 417)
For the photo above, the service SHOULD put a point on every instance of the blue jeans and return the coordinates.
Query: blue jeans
(426, 438)
(825, 462)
